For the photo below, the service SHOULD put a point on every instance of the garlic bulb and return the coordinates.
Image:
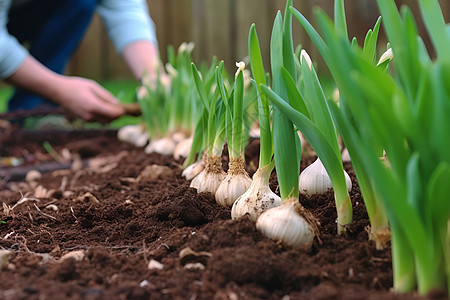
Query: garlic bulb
(133, 134)
(258, 198)
(255, 131)
(210, 178)
(193, 170)
(197, 180)
(291, 224)
(178, 136)
(235, 183)
(142, 140)
(345, 155)
(314, 180)
(163, 146)
(183, 148)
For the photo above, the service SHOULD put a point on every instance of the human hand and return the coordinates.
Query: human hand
(87, 99)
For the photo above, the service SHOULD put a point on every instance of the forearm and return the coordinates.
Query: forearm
(34, 77)
(83, 97)
(142, 57)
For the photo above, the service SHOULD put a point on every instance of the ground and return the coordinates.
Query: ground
(100, 231)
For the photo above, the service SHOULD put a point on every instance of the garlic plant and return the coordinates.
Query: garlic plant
(237, 180)
(289, 223)
(152, 105)
(259, 197)
(200, 135)
(309, 110)
(213, 136)
(314, 180)
(379, 227)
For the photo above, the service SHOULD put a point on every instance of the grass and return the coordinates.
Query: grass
(5, 93)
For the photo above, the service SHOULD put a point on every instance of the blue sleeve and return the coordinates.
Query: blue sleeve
(12, 54)
(127, 21)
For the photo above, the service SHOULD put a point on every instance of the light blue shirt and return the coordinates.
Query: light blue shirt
(125, 22)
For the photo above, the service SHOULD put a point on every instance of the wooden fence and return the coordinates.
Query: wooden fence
(220, 28)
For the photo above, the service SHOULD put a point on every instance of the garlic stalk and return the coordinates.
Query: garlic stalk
(235, 183)
(258, 198)
(290, 224)
(210, 178)
(314, 180)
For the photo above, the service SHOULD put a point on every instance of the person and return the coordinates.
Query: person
(52, 30)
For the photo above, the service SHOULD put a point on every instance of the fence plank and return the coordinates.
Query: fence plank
(86, 61)
(220, 28)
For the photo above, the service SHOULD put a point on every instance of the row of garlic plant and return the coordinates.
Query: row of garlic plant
(171, 108)
(289, 223)
(406, 114)
(283, 143)
(376, 112)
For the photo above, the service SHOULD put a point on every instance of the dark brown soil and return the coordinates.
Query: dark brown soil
(136, 222)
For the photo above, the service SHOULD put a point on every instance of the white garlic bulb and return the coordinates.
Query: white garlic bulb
(235, 183)
(183, 148)
(314, 180)
(210, 178)
(178, 136)
(289, 224)
(255, 131)
(345, 155)
(258, 198)
(197, 180)
(163, 146)
(142, 140)
(193, 170)
(133, 134)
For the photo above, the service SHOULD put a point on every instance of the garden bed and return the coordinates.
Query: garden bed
(142, 222)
